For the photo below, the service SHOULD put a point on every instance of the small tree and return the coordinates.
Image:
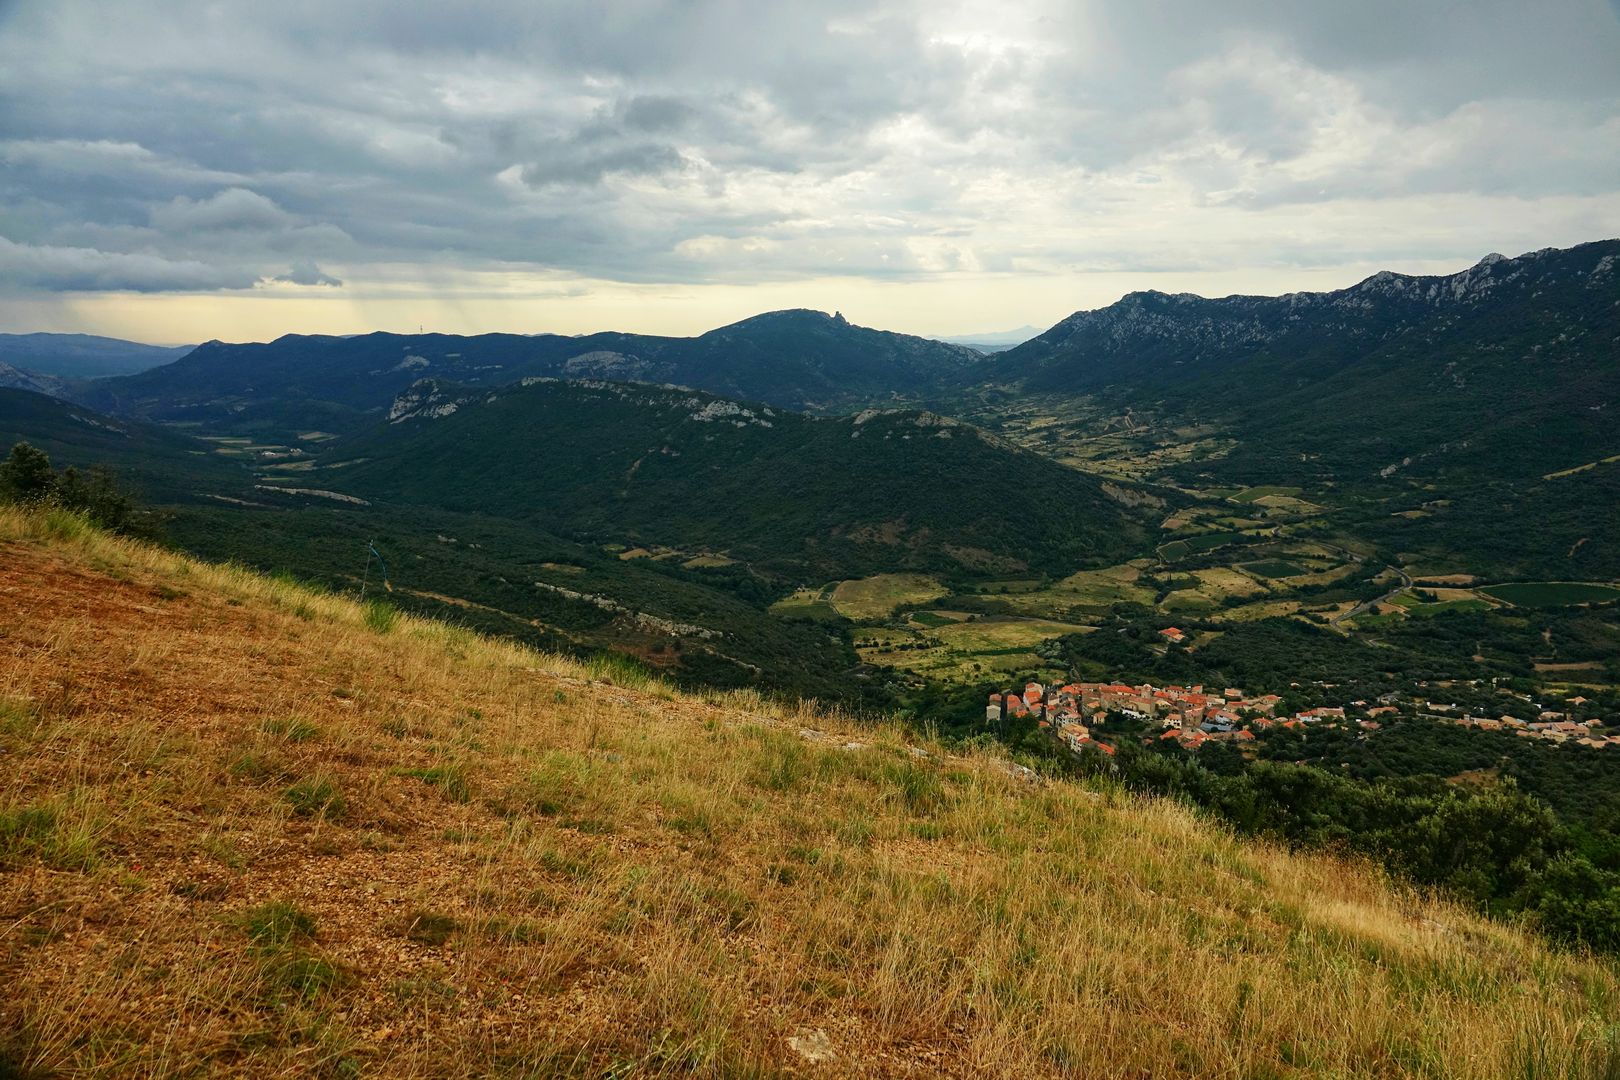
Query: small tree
(96, 495)
(26, 475)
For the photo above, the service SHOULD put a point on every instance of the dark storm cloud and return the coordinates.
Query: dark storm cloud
(192, 146)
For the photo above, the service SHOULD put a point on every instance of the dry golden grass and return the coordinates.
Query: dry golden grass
(249, 830)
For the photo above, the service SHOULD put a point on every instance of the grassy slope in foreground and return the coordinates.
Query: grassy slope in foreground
(251, 829)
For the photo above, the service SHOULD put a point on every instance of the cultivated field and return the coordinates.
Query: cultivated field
(1552, 593)
(881, 595)
(811, 604)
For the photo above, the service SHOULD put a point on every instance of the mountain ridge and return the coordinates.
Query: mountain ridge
(1495, 368)
(795, 358)
(84, 356)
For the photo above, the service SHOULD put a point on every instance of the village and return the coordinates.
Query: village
(1193, 716)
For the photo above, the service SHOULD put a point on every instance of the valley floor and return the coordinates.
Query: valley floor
(250, 829)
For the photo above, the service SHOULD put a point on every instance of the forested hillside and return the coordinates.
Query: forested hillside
(877, 491)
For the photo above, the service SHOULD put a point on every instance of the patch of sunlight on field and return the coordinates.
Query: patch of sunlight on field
(807, 603)
(1086, 589)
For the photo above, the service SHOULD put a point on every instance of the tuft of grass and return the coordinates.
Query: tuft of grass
(292, 729)
(577, 792)
(260, 767)
(63, 833)
(301, 975)
(380, 616)
(66, 525)
(451, 778)
(616, 669)
(279, 934)
(782, 764)
(916, 787)
(275, 924)
(317, 796)
(18, 718)
(430, 928)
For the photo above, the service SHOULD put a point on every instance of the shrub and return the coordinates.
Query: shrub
(26, 477)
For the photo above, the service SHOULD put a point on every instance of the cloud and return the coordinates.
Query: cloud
(589, 165)
(702, 141)
(307, 273)
(233, 208)
(32, 267)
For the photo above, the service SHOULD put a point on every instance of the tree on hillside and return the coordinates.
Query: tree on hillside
(26, 477)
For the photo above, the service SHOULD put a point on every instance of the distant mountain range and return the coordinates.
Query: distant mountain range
(793, 359)
(1486, 392)
(83, 356)
(996, 341)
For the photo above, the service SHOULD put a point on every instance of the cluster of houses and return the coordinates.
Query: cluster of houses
(1189, 714)
(1193, 716)
(1550, 726)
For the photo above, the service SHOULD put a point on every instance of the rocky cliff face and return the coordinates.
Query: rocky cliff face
(17, 379)
(1148, 328)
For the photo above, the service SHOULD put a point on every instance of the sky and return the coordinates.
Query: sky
(179, 170)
